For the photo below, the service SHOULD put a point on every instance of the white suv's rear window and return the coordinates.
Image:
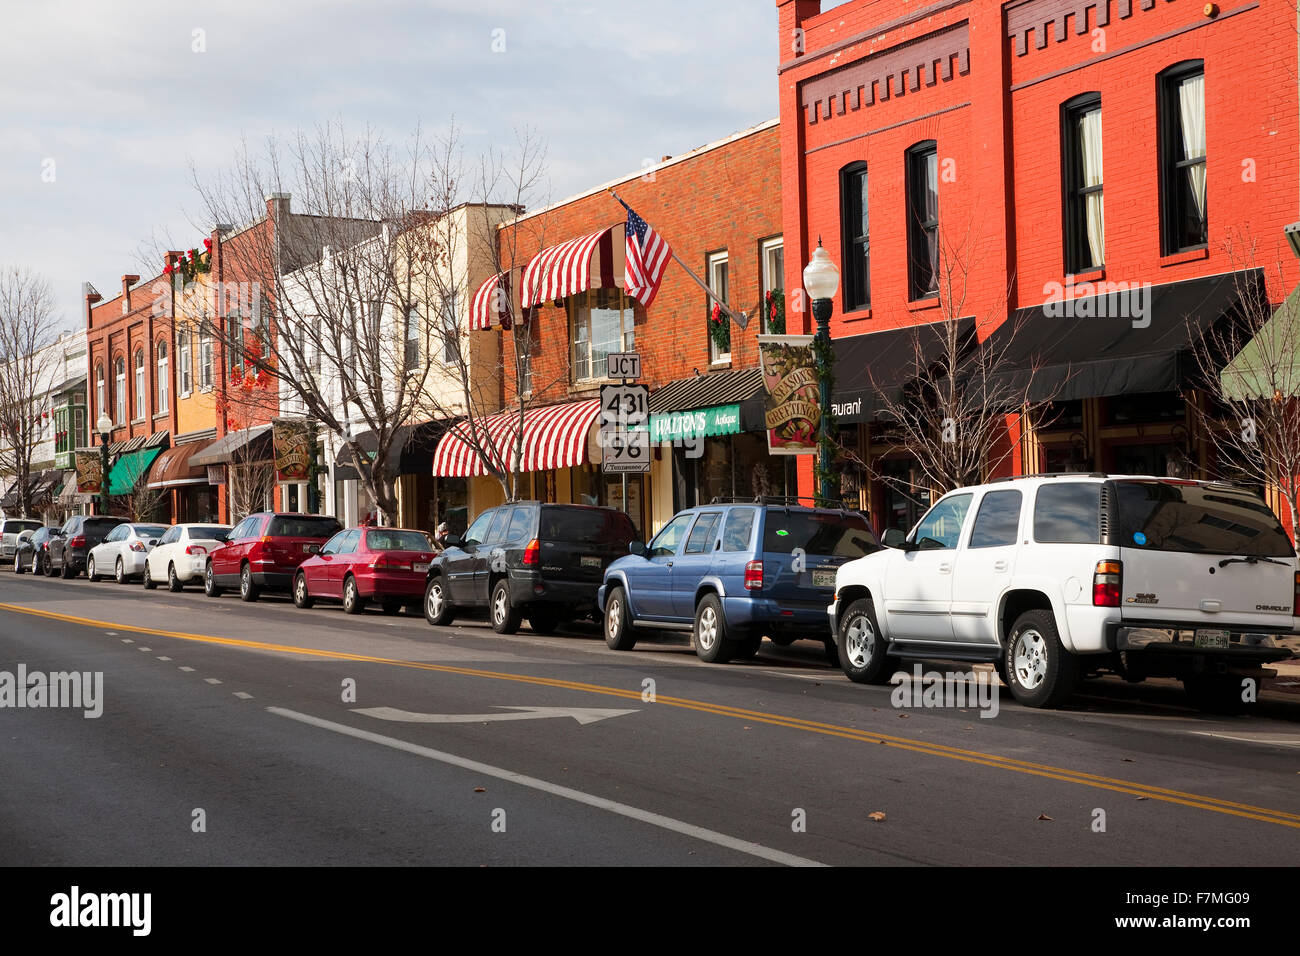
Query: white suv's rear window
(1068, 513)
(1161, 516)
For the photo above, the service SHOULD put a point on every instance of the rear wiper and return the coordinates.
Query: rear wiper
(1252, 559)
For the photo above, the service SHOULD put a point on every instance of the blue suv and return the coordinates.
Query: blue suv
(732, 573)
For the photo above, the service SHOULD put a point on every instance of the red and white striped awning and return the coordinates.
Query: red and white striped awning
(554, 437)
(597, 261)
(495, 300)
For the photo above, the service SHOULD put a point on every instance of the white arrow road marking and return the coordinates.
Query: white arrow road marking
(568, 793)
(583, 715)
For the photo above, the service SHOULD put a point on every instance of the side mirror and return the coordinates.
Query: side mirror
(454, 541)
(895, 539)
(153, 542)
(637, 548)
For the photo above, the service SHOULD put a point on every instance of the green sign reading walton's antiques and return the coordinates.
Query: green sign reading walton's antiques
(700, 423)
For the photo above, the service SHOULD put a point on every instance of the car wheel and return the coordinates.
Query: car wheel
(248, 591)
(353, 602)
(620, 635)
(147, 579)
(300, 596)
(390, 606)
(543, 620)
(210, 582)
(1042, 672)
(49, 567)
(91, 574)
(860, 647)
(711, 642)
(505, 616)
(65, 570)
(174, 584)
(437, 609)
(18, 564)
(1214, 693)
(119, 573)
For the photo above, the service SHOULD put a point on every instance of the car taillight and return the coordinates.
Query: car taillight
(390, 562)
(1106, 584)
(532, 554)
(137, 546)
(77, 542)
(196, 549)
(754, 576)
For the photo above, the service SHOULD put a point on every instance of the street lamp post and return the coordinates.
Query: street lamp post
(822, 280)
(104, 426)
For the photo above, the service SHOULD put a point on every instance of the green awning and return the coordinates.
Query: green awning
(129, 469)
(698, 423)
(1270, 362)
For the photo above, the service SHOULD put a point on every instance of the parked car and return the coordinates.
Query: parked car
(264, 550)
(359, 565)
(124, 550)
(1054, 577)
(527, 559)
(30, 552)
(10, 529)
(182, 554)
(734, 573)
(67, 554)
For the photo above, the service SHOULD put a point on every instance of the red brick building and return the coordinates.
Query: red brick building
(719, 207)
(1062, 145)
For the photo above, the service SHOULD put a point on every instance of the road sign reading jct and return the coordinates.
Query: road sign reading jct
(624, 406)
(624, 451)
(624, 364)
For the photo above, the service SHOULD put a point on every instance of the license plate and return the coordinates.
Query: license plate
(420, 566)
(590, 562)
(1214, 640)
(823, 579)
(311, 548)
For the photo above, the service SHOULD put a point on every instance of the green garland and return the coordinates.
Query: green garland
(720, 330)
(775, 304)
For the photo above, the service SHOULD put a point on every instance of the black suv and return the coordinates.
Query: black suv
(527, 559)
(68, 551)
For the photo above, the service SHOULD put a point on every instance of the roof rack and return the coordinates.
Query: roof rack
(1053, 474)
(788, 501)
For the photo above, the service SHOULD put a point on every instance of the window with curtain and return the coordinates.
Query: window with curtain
(100, 407)
(160, 400)
(600, 322)
(1182, 157)
(923, 220)
(1085, 216)
(184, 359)
(449, 314)
(856, 245)
(140, 384)
(119, 391)
(205, 361)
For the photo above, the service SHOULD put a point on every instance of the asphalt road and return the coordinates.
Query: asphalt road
(259, 734)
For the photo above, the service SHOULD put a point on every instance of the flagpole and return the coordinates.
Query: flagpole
(738, 317)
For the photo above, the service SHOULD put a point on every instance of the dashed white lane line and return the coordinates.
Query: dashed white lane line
(243, 696)
(211, 680)
(567, 793)
(162, 658)
(185, 669)
(127, 640)
(145, 650)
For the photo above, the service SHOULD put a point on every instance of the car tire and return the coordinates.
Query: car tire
(437, 609)
(353, 602)
(747, 648)
(301, 598)
(832, 652)
(210, 582)
(65, 570)
(390, 606)
(861, 648)
(18, 564)
(620, 634)
(712, 645)
(147, 579)
(248, 591)
(1214, 693)
(119, 572)
(1041, 672)
(91, 574)
(506, 618)
(543, 620)
(174, 584)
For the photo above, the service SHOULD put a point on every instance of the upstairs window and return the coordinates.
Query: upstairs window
(139, 383)
(160, 401)
(923, 220)
(717, 273)
(773, 275)
(1085, 216)
(184, 361)
(1182, 157)
(856, 268)
(600, 321)
(100, 407)
(119, 391)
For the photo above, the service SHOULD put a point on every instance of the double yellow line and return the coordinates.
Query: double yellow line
(1141, 790)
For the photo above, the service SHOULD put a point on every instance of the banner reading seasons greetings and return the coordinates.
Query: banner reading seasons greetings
(90, 473)
(291, 440)
(792, 412)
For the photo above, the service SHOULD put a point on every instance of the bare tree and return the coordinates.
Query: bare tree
(963, 386)
(26, 364)
(1248, 372)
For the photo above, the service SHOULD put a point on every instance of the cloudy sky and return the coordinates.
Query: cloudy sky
(105, 105)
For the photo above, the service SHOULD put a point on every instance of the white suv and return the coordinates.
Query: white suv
(1053, 577)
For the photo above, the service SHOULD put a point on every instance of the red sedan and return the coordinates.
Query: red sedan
(359, 565)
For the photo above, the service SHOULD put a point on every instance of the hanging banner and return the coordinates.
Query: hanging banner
(90, 472)
(792, 410)
(291, 439)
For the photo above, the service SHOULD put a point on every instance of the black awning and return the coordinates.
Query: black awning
(1124, 342)
(409, 453)
(874, 368)
(743, 387)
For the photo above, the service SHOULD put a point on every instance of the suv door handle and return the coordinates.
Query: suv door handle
(999, 565)
(945, 567)
(670, 564)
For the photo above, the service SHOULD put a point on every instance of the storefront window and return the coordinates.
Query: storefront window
(451, 504)
(635, 498)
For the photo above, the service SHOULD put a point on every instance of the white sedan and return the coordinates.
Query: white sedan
(123, 551)
(182, 554)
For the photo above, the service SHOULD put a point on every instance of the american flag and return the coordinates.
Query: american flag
(647, 257)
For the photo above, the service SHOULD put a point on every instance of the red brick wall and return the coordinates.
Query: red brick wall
(728, 198)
